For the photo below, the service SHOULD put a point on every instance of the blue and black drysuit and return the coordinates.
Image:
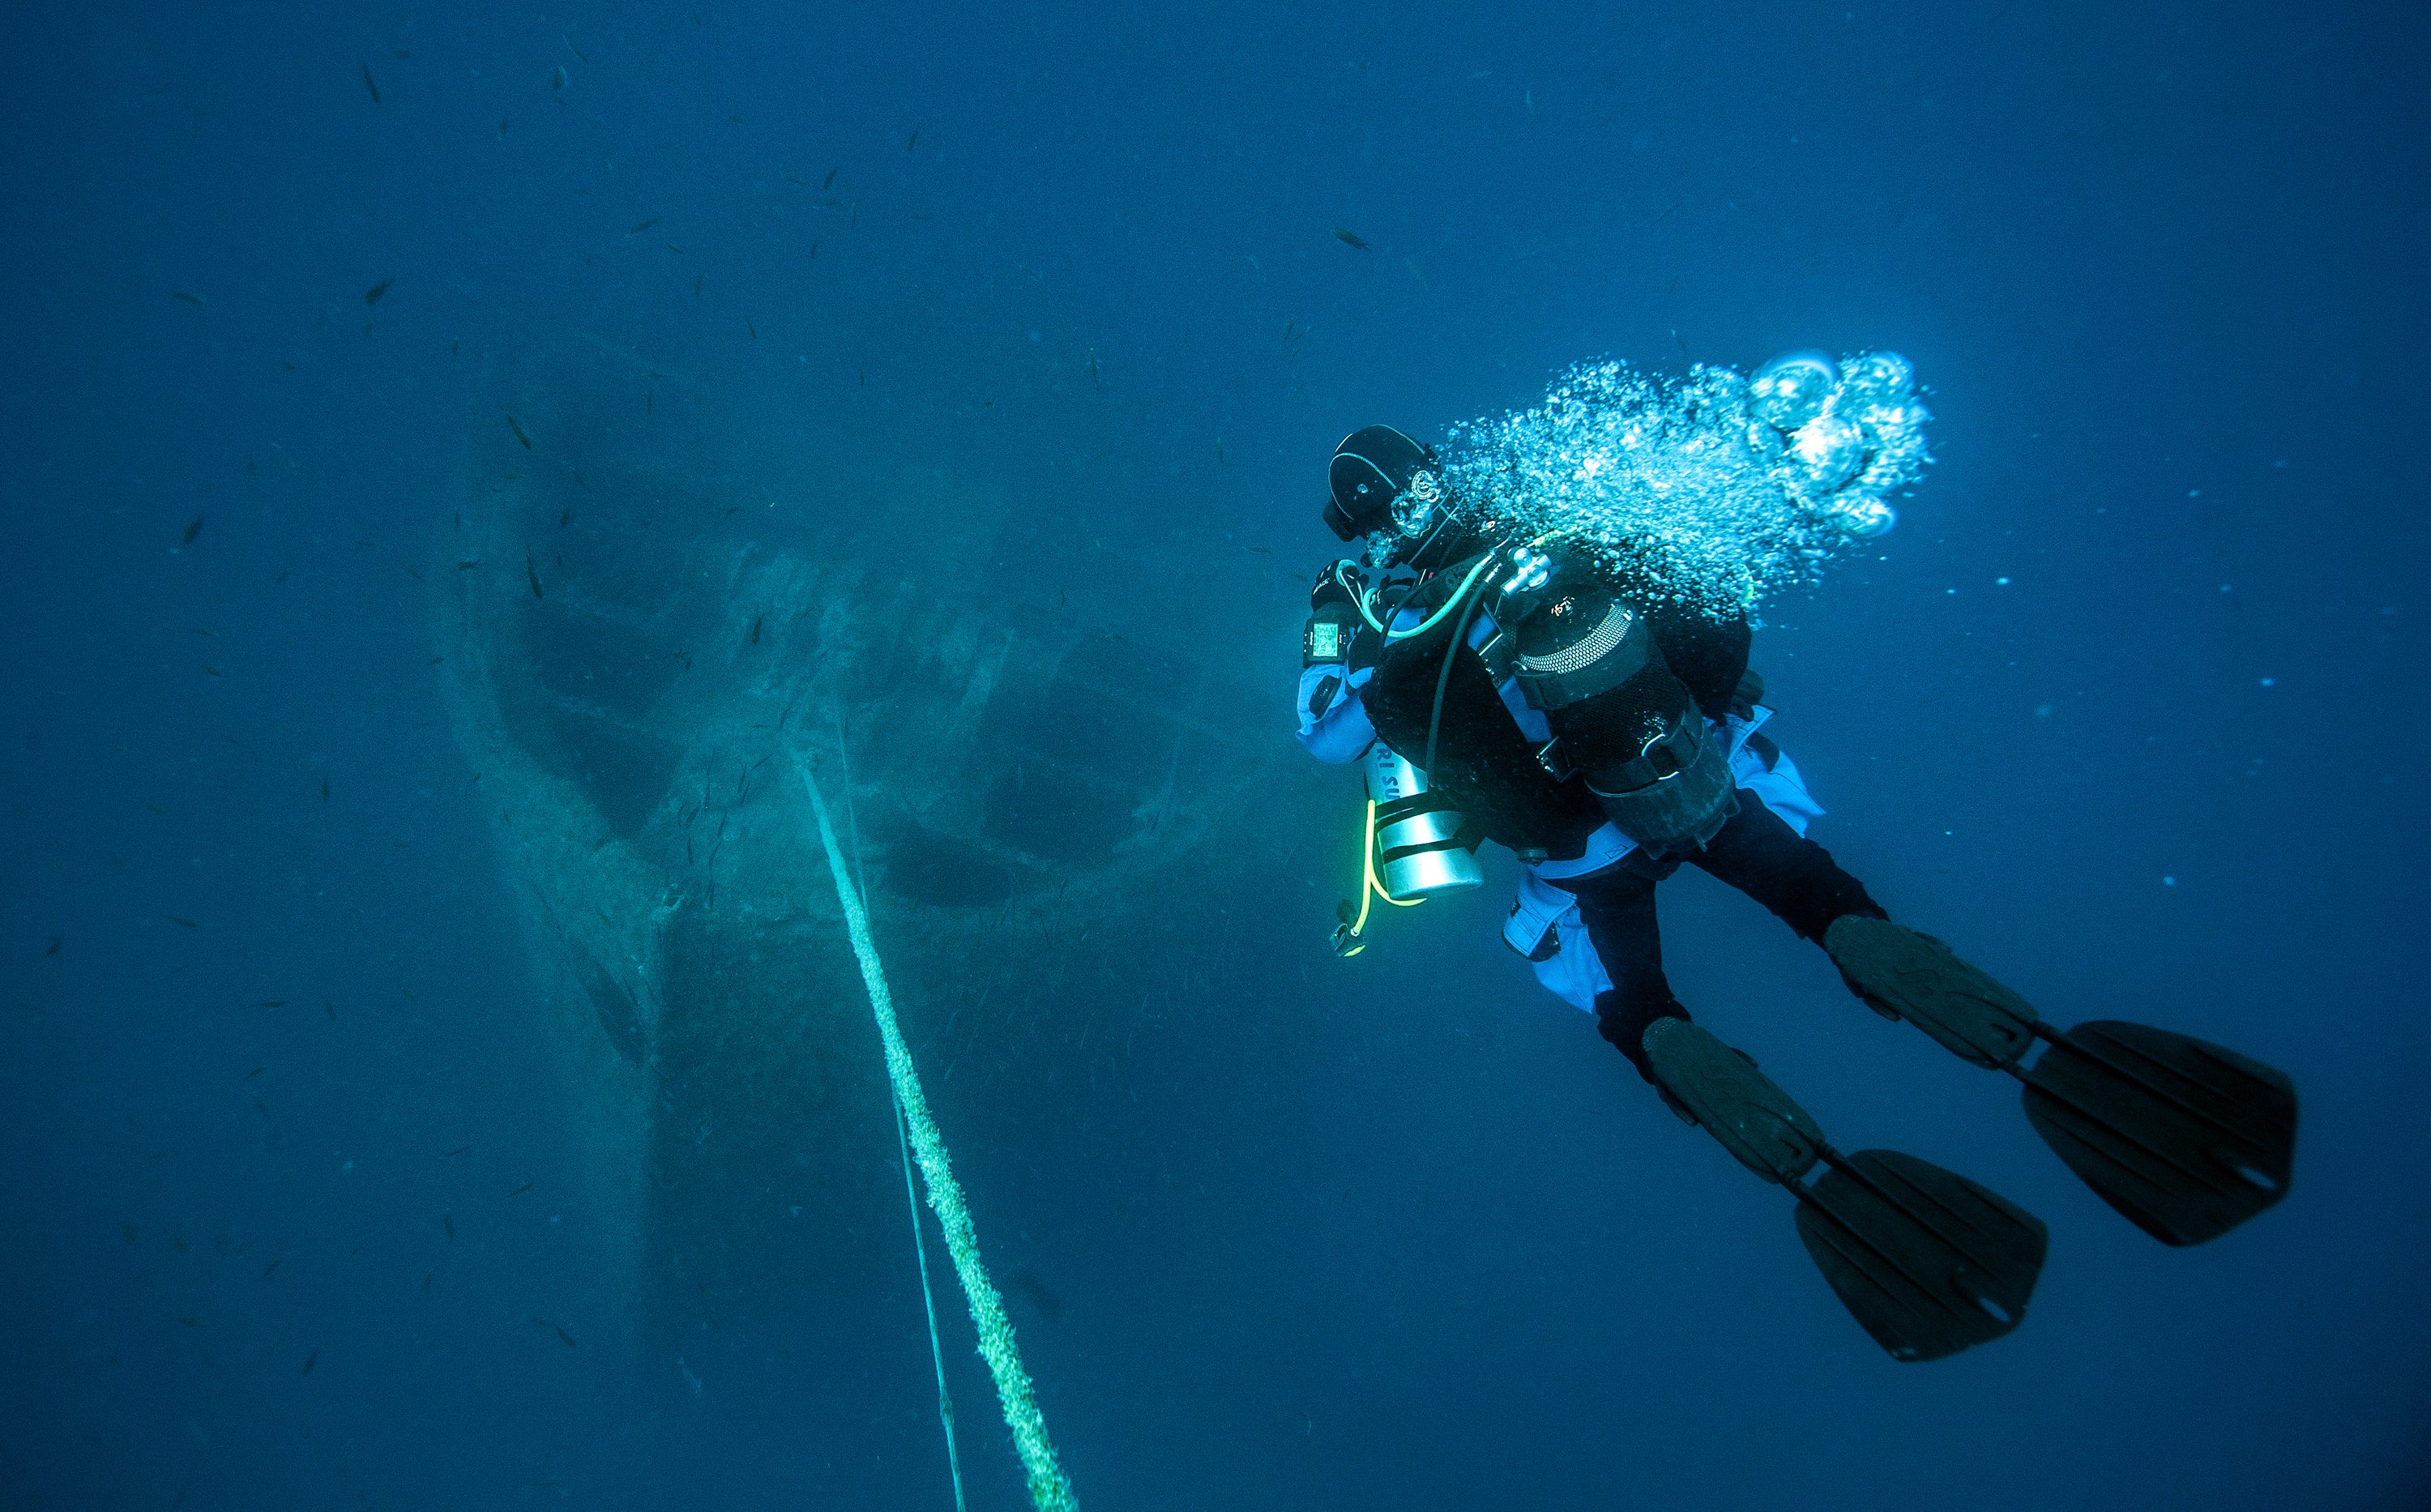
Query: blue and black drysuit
(1584, 915)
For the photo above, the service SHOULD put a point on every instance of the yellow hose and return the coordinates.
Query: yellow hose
(1370, 888)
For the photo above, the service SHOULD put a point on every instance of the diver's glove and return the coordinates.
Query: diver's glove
(1746, 695)
(1341, 583)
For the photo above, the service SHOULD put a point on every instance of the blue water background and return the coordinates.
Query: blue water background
(2130, 709)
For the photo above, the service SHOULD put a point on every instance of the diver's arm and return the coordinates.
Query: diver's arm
(1334, 724)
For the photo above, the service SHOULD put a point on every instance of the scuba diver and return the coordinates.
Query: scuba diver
(1504, 689)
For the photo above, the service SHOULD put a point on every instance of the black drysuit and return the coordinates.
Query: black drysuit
(1483, 760)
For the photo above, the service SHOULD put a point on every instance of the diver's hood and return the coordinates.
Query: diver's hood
(1371, 469)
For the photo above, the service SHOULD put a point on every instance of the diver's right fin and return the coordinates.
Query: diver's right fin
(1927, 1262)
(1905, 973)
(2185, 1140)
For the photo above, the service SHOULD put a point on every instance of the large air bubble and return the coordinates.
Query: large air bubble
(1712, 491)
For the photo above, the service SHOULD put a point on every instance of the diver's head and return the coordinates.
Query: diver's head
(1383, 483)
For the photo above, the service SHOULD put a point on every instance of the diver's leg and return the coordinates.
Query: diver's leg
(1618, 907)
(1758, 853)
(2187, 1140)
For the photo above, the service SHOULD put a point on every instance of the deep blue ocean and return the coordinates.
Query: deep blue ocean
(407, 1105)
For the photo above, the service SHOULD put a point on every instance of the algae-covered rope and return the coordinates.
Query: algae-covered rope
(903, 1148)
(928, 1300)
(1048, 1489)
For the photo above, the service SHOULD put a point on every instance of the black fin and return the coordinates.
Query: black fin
(1762, 1126)
(1927, 1261)
(2185, 1138)
(1903, 973)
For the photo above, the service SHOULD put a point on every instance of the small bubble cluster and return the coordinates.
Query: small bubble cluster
(1713, 491)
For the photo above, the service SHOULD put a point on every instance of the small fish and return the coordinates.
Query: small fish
(310, 1360)
(1416, 277)
(571, 48)
(516, 426)
(913, 143)
(672, 247)
(447, 1222)
(325, 790)
(181, 923)
(520, 1190)
(557, 80)
(370, 83)
(814, 252)
(1528, 98)
(127, 1232)
(531, 575)
(828, 182)
(567, 517)
(57, 940)
(797, 183)
(426, 1281)
(190, 299)
(191, 1322)
(192, 531)
(644, 227)
(273, 1266)
(864, 378)
(372, 295)
(450, 1154)
(1263, 551)
(249, 1076)
(564, 1337)
(753, 330)
(697, 280)
(1026, 1282)
(272, 1003)
(756, 626)
(1093, 369)
(1350, 238)
(333, 1009)
(1219, 451)
(502, 129)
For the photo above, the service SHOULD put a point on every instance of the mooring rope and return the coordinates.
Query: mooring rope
(929, 1300)
(903, 1145)
(1048, 1489)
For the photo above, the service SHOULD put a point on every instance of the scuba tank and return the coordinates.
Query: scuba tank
(1419, 850)
(1622, 720)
